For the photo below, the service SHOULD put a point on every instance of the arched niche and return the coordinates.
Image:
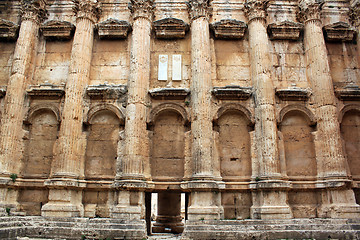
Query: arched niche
(296, 127)
(104, 126)
(350, 131)
(167, 143)
(43, 124)
(234, 124)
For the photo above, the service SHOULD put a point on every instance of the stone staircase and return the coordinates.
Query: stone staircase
(70, 228)
(36, 227)
(273, 229)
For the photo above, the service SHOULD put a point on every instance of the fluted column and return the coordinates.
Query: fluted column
(338, 201)
(355, 17)
(138, 87)
(130, 180)
(273, 202)
(204, 203)
(68, 164)
(11, 131)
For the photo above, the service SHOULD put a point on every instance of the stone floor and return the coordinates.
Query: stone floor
(165, 236)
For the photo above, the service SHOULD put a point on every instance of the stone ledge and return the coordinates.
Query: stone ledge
(339, 31)
(232, 93)
(293, 94)
(351, 92)
(285, 30)
(229, 29)
(169, 93)
(46, 90)
(57, 30)
(8, 30)
(170, 28)
(113, 29)
(106, 91)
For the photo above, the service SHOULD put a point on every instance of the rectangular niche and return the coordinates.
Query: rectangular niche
(163, 68)
(176, 67)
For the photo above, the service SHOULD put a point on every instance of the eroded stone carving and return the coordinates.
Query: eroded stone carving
(354, 12)
(34, 10)
(46, 90)
(142, 8)
(170, 28)
(232, 92)
(339, 31)
(53, 29)
(106, 91)
(309, 10)
(87, 9)
(256, 9)
(229, 29)
(8, 30)
(285, 30)
(349, 93)
(293, 94)
(113, 28)
(169, 93)
(199, 8)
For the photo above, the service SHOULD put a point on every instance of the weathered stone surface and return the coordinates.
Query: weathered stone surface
(169, 28)
(229, 29)
(113, 29)
(8, 30)
(57, 30)
(285, 30)
(339, 31)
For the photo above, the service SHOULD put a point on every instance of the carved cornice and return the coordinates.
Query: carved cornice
(309, 10)
(142, 8)
(339, 31)
(285, 30)
(354, 13)
(46, 90)
(229, 29)
(87, 9)
(169, 28)
(232, 93)
(169, 93)
(199, 8)
(255, 9)
(293, 94)
(33, 10)
(8, 30)
(57, 30)
(349, 93)
(113, 28)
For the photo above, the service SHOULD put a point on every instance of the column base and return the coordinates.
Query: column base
(205, 206)
(126, 213)
(271, 212)
(168, 224)
(63, 203)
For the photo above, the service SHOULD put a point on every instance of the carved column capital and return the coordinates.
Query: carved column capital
(33, 10)
(199, 8)
(309, 10)
(142, 8)
(89, 9)
(255, 9)
(354, 12)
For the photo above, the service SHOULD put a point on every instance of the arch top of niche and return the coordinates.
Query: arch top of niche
(297, 108)
(347, 108)
(237, 108)
(105, 107)
(41, 108)
(167, 107)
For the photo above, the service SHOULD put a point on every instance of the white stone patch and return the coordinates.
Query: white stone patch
(163, 68)
(176, 67)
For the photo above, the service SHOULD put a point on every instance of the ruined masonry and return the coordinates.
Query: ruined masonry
(242, 116)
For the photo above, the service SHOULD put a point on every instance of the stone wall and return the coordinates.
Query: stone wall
(250, 107)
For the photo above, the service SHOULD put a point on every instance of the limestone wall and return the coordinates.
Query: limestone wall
(252, 107)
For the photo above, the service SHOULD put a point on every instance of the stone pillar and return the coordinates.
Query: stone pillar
(138, 87)
(269, 187)
(65, 196)
(136, 136)
(338, 199)
(202, 181)
(11, 128)
(355, 17)
(168, 217)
